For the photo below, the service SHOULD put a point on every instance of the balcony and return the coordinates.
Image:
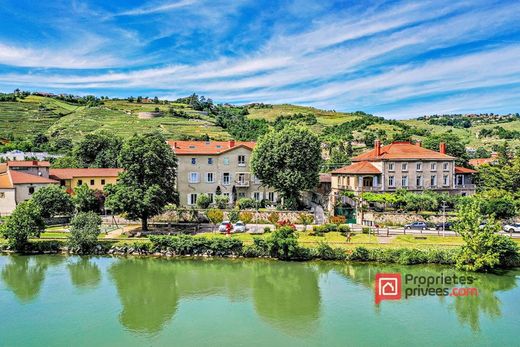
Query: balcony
(242, 183)
(465, 186)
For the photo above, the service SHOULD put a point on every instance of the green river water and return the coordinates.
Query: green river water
(103, 301)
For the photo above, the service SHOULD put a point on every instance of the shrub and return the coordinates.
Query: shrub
(246, 217)
(84, 230)
(360, 254)
(283, 244)
(365, 230)
(267, 230)
(221, 201)
(190, 245)
(53, 201)
(233, 215)
(215, 215)
(203, 201)
(344, 228)
(273, 218)
(338, 220)
(285, 223)
(25, 221)
(326, 252)
(330, 227)
(305, 219)
(245, 203)
(411, 256)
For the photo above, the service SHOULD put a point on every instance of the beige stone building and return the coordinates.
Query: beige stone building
(401, 165)
(209, 167)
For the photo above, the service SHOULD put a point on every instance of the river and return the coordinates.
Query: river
(52, 300)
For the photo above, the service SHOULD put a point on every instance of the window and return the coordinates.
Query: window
(92, 182)
(445, 166)
(446, 180)
(210, 196)
(194, 161)
(2, 195)
(419, 166)
(433, 166)
(391, 181)
(391, 167)
(241, 160)
(193, 177)
(404, 181)
(433, 181)
(210, 177)
(226, 178)
(103, 182)
(257, 196)
(226, 161)
(419, 181)
(241, 194)
(31, 190)
(192, 199)
(404, 166)
(62, 183)
(210, 161)
(460, 180)
(80, 182)
(271, 197)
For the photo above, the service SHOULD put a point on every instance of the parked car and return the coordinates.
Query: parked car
(447, 226)
(416, 226)
(512, 228)
(240, 227)
(223, 227)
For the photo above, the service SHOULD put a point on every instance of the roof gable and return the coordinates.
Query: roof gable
(18, 177)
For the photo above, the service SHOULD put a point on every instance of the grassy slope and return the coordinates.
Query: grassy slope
(27, 117)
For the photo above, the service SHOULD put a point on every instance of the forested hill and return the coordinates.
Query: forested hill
(55, 122)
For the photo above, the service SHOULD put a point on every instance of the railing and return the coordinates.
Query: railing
(465, 186)
(242, 183)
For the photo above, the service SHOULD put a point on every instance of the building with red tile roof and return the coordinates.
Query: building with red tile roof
(401, 165)
(94, 178)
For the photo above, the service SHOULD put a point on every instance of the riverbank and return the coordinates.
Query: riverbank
(234, 247)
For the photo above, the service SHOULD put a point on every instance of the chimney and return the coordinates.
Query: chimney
(35, 162)
(377, 147)
(418, 143)
(231, 143)
(442, 148)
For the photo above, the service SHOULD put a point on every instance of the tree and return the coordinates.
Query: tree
(26, 220)
(215, 215)
(454, 146)
(148, 181)
(52, 201)
(221, 201)
(246, 217)
(289, 161)
(203, 201)
(484, 248)
(98, 150)
(85, 199)
(84, 231)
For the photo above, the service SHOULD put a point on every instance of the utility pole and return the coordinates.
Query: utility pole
(443, 217)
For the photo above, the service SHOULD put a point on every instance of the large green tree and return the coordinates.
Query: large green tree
(454, 146)
(98, 150)
(85, 199)
(148, 181)
(289, 161)
(53, 201)
(26, 220)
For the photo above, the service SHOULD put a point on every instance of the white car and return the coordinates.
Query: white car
(240, 227)
(223, 227)
(512, 228)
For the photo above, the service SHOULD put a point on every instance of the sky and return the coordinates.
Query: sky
(397, 59)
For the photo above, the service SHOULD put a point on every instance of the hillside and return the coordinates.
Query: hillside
(56, 118)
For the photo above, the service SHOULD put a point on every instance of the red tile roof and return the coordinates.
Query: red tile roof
(363, 167)
(401, 150)
(28, 163)
(67, 174)
(464, 170)
(481, 161)
(325, 178)
(207, 147)
(18, 177)
(5, 181)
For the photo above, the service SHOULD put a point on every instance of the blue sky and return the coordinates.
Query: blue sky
(397, 59)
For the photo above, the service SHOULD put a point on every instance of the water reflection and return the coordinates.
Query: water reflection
(286, 297)
(24, 275)
(84, 273)
(469, 310)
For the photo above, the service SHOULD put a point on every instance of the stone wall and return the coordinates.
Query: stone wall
(392, 218)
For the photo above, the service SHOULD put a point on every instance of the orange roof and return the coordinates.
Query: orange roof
(3, 167)
(464, 170)
(360, 168)
(5, 181)
(67, 174)
(207, 147)
(401, 150)
(28, 163)
(18, 177)
(481, 161)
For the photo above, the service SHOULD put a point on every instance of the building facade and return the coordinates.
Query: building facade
(402, 165)
(94, 178)
(217, 168)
